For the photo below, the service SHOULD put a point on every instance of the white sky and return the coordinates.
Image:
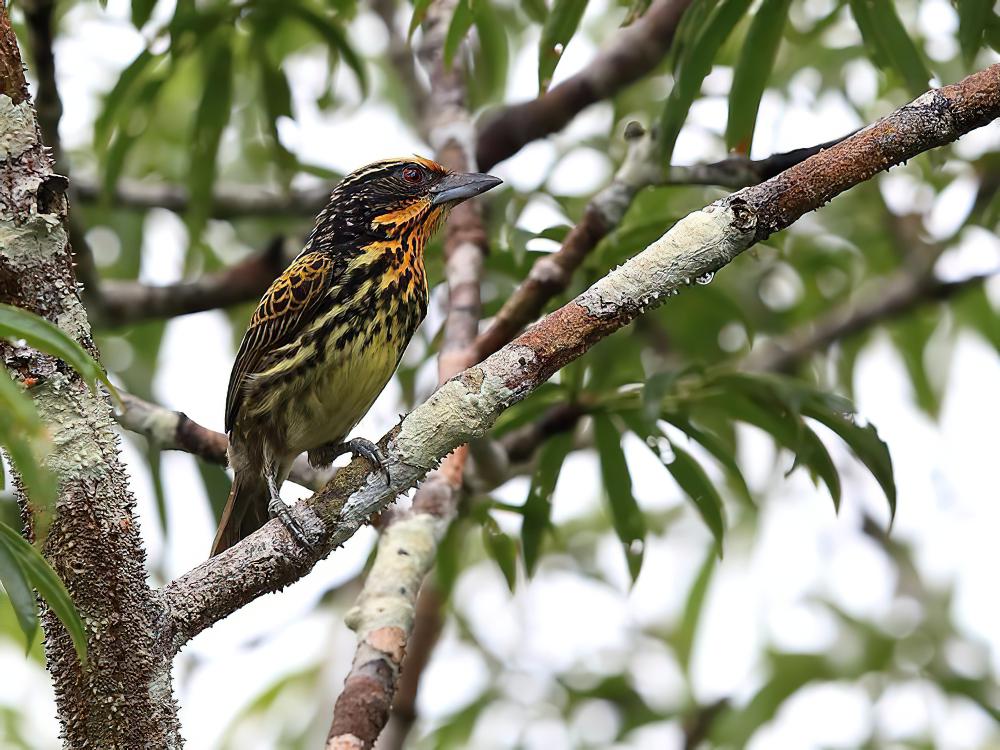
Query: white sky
(763, 591)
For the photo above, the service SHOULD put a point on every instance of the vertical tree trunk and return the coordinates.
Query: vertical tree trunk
(123, 698)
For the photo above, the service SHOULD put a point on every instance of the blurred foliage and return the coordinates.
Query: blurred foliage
(209, 100)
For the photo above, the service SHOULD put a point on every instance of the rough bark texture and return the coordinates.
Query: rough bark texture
(551, 274)
(123, 699)
(467, 405)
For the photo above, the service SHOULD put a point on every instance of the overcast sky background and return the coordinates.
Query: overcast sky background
(947, 472)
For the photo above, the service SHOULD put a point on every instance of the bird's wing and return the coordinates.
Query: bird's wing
(283, 310)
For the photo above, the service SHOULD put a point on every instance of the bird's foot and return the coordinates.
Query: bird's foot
(324, 455)
(277, 508)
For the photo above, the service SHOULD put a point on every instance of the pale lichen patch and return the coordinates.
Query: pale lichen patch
(17, 128)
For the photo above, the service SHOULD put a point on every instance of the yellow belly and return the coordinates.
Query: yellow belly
(340, 394)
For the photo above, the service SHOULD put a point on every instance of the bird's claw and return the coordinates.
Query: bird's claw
(277, 508)
(367, 449)
(325, 455)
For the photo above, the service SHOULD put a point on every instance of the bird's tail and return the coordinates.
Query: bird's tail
(245, 511)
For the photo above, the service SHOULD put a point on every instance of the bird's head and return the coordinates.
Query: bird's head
(396, 199)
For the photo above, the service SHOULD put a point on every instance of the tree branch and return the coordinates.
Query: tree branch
(636, 51)
(130, 302)
(228, 201)
(383, 617)
(890, 298)
(467, 405)
(123, 698)
(551, 274)
(174, 430)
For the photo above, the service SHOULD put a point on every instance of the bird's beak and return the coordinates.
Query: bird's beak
(457, 187)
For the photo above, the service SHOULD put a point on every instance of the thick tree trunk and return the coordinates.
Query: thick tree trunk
(122, 699)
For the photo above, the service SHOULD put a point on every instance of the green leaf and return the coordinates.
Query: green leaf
(693, 65)
(25, 440)
(419, 12)
(716, 446)
(118, 98)
(756, 60)
(686, 471)
(536, 10)
(972, 18)
(692, 478)
(492, 57)
(18, 590)
(47, 337)
(688, 628)
(210, 120)
(813, 454)
(886, 36)
(560, 26)
(538, 506)
(502, 549)
(141, 11)
(636, 10)
(336, 40)
(627, 518)
(865, 443)
(460, 24)
(40, 575)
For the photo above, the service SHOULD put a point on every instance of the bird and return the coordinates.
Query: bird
(329, 332)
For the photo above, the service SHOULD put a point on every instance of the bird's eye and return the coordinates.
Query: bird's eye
(413, 175)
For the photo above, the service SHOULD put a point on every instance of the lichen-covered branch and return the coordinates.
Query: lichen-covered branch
(174, 430)
(466, 406)
(551, 274)
(384, 614)
(123, 698)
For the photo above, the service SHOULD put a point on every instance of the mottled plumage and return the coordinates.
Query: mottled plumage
(329, 332)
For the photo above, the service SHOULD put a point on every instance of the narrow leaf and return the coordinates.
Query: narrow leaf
(693, 65)
(626, 517)
(692, 478)
(419, 12)
(756, 60)
(560, 26)
(886, 36)
(538, 505)
(688, 629)
(865, 443)
(503, 550)
(972, 18)
(19, 592)
(47, 337)
(461, 21)
(331, 33)
(38, 572)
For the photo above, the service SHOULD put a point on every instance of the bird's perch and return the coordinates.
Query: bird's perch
(467, 405)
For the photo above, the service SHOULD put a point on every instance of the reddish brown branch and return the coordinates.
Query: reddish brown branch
(551, 274)
(636, 51)
(129, 302)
